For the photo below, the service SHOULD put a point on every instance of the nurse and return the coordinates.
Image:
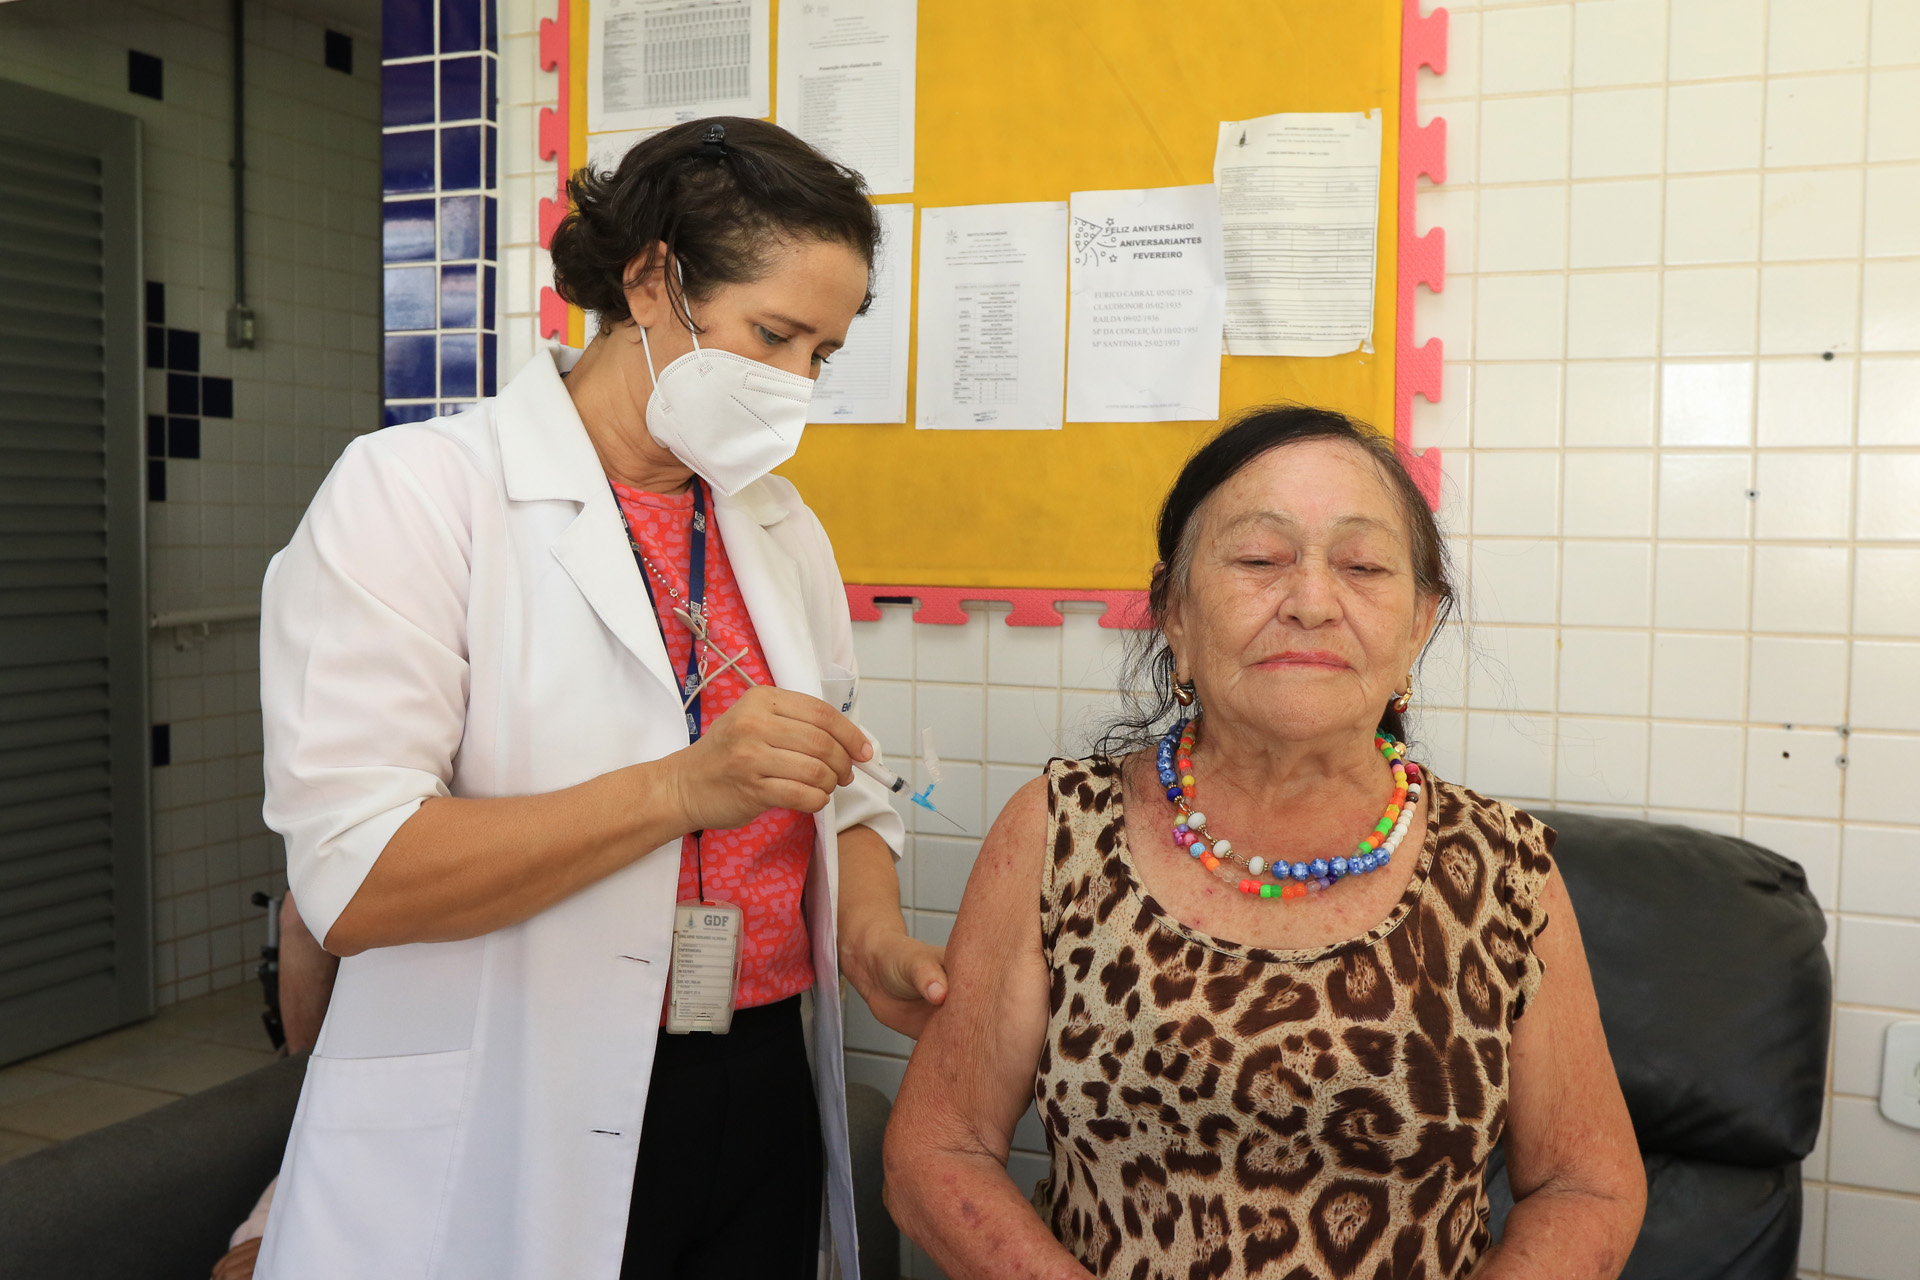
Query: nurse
(535, 674)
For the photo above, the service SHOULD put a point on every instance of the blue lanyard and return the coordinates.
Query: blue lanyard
(696, 594)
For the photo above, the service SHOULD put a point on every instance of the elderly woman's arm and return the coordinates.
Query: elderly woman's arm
(971, 1077)
(1578, 1184)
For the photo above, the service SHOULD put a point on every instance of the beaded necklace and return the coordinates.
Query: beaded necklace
(1295, 879)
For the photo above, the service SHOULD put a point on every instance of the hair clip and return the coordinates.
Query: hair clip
(715, 143)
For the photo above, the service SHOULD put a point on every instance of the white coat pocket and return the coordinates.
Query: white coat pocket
(366, 1173)
(837, 687)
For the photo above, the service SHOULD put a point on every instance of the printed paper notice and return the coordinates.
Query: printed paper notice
(658, 62)
(993, 316)
(846, 84)
(1299, 208)
(1149, 288)
(866, 380)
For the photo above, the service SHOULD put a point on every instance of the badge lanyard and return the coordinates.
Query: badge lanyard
(706, 935)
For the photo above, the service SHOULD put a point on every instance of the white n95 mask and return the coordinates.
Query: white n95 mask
(729, 418)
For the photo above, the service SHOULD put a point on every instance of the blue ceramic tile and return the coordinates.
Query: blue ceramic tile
(410, 366)
(460, 228)
(452, 407)
(407, 231)
(490, 149)
(399, 413)
(216, 397)
(493, 79)
(183, 394)
(156, 479)
(457, 358)
(457, 297)
(183, 437)
(460, 25)
(156, 436)
(406, 162)
(406, 28)
(410, 299)
(183, 351)
(406, 94)
(493, 230)
(486, 299)
(156, 347)
(156, 302)
(460, 88)
(490, 364)
(490, 14)
(459, 158)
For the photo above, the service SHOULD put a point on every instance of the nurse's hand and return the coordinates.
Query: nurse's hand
(902, 979)
(773, 749)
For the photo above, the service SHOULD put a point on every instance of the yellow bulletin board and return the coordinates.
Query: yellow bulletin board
(1032, 100)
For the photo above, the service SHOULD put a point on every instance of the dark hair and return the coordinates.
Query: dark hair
(721, 193)
(1148, 684)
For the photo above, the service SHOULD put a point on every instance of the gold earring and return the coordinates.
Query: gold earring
(1183, 692)
(1401, 701)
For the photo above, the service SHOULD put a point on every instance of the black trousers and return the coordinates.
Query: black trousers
(730, 1171)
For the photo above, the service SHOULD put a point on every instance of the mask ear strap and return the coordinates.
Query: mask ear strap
(681, 274)
(648, 352)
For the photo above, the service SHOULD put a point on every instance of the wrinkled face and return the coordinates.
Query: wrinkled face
(1300, 617)
(794, 317)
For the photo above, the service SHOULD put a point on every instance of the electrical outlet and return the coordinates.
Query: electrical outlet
(1900, 1075)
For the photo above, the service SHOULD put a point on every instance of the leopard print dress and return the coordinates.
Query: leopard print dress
(1217, 1110)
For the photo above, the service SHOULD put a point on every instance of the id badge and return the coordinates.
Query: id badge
(706, 963)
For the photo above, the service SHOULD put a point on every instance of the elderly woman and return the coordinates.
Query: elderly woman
(1285, 989)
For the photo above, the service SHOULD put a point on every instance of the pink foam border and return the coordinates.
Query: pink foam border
(1416, 370)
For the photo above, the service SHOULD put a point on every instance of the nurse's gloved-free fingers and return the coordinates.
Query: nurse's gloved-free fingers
(773, 749)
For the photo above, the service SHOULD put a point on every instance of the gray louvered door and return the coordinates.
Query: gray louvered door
(75, 886)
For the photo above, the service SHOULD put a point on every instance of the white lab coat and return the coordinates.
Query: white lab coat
(459, 614)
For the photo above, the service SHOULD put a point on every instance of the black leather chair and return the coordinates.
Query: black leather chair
(156, 1197)
(1714, 989)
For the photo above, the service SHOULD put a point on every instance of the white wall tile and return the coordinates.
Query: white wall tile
(1806, 310)
(1800, 589)
(1699, 677)
(1792, 773)
(1519, 317)
(1694, 766)
(1448, 424)
(1516, 494)
(1609, 494)
(1455, 209)
(1815, 120)
(1881, 872)
(1606, 584)
(1706, 404)
(1604, 673)
(1023, 725)
(1879, 769)
(1710, 39)
(1517, 406)
(1526, 50)
(1816, 35)
(1810, 214)
(1813, 1223)
(1448, 316)
(1869, 1150)
(1704, 495)
(1700, 588)
(884, 649)
(1709, 312)
(1023, 655)
(1890, 402)
(1091, 656)
(1612, 404)
(1613, 313)
(1801, 682)
(1601, 761)
(1618, 42)
(1440, 741)
(1523, 228)
(957, 715)
(1893, 115)
(1889, 487)
(1889, 320)
(1462, 80)
(1859, 1045)
(885, 711)
(1509, 756)
(1806, 402)
(1893, 192)
(1442, 671)
(1884, 600)
(1712, 219)
(1615, 224)
(1871, 1237)
(1879, 963)
(956, 653)
(1512, 669)
(1803, 495)
(1618, 133)
(1895, 33)
(1514, 580)
(1521, 140)
(1885, 685)
(1714, 126)
(1814, 845)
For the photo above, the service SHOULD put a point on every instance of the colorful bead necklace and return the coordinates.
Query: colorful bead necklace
(1174, 759)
